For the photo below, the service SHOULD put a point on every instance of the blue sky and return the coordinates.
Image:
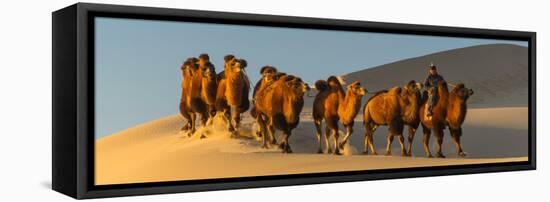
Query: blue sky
(138, 62)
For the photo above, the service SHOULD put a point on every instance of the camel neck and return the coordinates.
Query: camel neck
(349, 106)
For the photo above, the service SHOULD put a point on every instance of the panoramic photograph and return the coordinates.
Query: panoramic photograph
(177, 101)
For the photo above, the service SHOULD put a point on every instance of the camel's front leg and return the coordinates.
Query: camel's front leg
(236, 116)
(336, 147)
(319, 133)
(327, 137)
(285, 144)
(438, 131)
(193, 124)
(271, 131)
(349, 131)
(410, 138)
(227, 117)
(456, 134)
(390, 141)
(426, 141)
(402, 144)
(265, 137)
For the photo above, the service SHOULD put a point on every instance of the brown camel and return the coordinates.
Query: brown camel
(410, 104)
(232, 93)
(332, 105)
(191, 103)
(384, 109)
(395, 108)
(209, 84)
(269, 75)
(186, 69)
(449, 110)
(278, 106)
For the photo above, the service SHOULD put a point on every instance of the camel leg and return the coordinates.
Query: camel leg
(204, 119)
(227, 117)
(390, 141)
(369, 132)
(371, 140)
(284, 142)
(210, 120)
(211, 115)
(193, 123)
(426, 141)
(271, 130)
(186, 126)
(388, 146)
(263, 129)
(336, 147)
(349, 130)
(456, 134)
(439, 135)
(318, 127)
(410, 138)
(327, 142)
(402, 144)
(287, 148)
(366, 143)
(236, 116)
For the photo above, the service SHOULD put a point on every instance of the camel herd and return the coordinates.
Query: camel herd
(278, 100)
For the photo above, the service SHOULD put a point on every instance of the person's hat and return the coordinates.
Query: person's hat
(432, 66)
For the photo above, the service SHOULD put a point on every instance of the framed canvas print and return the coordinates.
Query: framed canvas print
(154, 100)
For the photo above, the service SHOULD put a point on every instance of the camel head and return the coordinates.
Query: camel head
(189, 66)
(412, 92)
(462, 92)
(268, 73)
(296, 85)
(412, 88)
(334, 82)
(203, 59)
(235, 65)
(209, 72)
(356, 89)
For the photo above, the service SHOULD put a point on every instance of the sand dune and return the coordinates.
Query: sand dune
(496, 72)
(158, 151)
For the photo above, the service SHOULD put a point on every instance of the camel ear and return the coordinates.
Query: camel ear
(244, 63)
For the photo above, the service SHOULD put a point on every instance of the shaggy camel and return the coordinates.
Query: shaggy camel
(410, 101)
(191, 102)
(269, 75)
(449, 110)
(279, 106)
(209, 84)
(232, 92)
(332, 105)
(186, 69)
(394, 108)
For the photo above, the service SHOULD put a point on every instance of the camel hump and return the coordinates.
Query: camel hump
(321, 85)
(395, 90)
(377, 94)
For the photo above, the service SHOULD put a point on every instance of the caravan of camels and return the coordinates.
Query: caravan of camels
(278, 99)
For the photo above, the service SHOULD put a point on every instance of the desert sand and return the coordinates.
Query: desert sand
(157, 151)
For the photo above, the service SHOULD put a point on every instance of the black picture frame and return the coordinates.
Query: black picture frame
(73, 100)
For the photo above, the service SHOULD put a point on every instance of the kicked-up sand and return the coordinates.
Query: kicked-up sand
(157, 151)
